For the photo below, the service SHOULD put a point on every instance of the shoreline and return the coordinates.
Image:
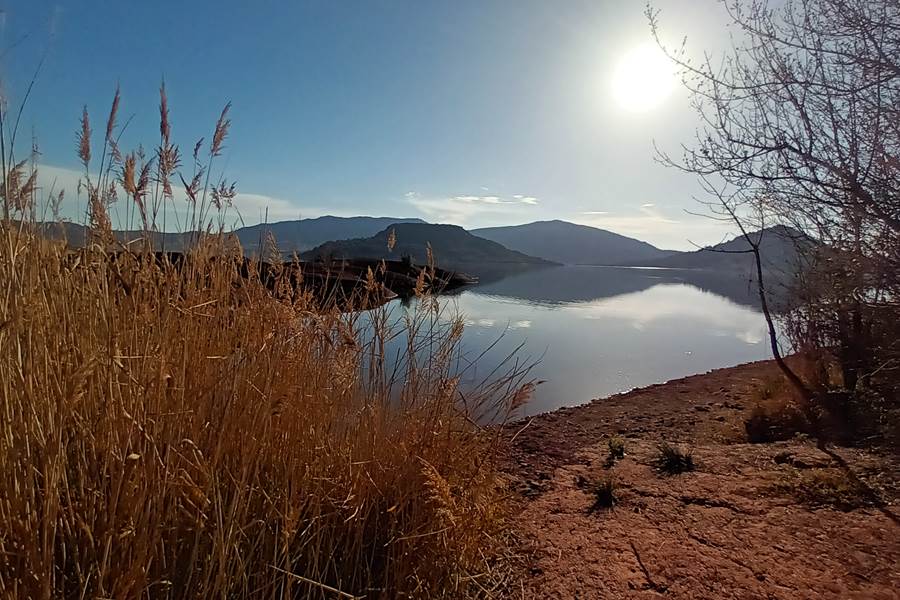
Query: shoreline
(639, 388)
(732, 528)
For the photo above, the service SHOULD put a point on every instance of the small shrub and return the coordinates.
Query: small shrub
(673, 460)
(856, 416)
(604, 492)
(829, 488)
(774, 423)
(616, 447)
(769, 388)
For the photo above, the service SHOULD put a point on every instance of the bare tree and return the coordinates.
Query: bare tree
(801, 126)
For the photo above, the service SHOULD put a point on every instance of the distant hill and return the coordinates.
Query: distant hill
(779, 249)
(290, 236)
(569, 243)
(76, 235)
(305, 234)
(452, 246)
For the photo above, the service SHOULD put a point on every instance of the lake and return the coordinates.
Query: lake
(596, 331)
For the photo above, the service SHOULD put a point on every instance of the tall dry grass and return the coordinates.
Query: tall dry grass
(185, 433)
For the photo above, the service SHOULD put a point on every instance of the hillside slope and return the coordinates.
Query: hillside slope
(779, 249)
(305, 234)
(451, 245)
(290, 236)
(570, 243)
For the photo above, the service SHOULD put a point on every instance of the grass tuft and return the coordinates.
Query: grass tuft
(605, 493)
(672, 460)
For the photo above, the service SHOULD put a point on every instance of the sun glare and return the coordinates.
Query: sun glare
(643, 79)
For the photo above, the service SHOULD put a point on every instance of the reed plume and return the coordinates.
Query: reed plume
(84, 139)
(176, 429)
(220, 132)
(113, 113)
(165, 128)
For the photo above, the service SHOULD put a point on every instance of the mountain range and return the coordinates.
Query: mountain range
(305, 234)
(560, 242)
(290, 236)
(539, 243)
(451, 245)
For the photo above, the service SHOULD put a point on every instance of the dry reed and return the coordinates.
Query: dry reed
(179, 431)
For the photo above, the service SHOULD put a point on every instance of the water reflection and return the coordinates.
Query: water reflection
(597, 331)
(556, 285)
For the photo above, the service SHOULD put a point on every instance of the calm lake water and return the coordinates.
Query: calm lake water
(596, 331)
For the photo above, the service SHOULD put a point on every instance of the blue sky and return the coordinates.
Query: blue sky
(474, 112)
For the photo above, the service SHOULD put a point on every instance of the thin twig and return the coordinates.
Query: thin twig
(323, 586)
(655, 586)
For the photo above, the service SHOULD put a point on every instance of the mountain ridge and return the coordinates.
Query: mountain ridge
(450, 245)
(779, 243)
(305, 234)
(290, 236)
(571, 243)
(779, 249)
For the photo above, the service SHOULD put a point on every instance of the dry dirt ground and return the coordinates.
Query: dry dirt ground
(735, 527)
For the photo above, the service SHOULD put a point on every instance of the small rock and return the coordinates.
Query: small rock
(783, 458)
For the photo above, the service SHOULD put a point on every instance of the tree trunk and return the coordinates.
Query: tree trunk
(789, 373)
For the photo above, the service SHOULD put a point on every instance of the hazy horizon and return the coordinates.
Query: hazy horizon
(475, 114)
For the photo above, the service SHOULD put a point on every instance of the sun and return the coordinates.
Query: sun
(643, 78)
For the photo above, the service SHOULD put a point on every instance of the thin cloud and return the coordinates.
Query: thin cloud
(461, 209)
(650, 224)
(646, 221)
(496, 199)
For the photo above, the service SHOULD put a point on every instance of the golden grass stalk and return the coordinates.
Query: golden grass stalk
(179, 430)
(189, 435)
(220, 132)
